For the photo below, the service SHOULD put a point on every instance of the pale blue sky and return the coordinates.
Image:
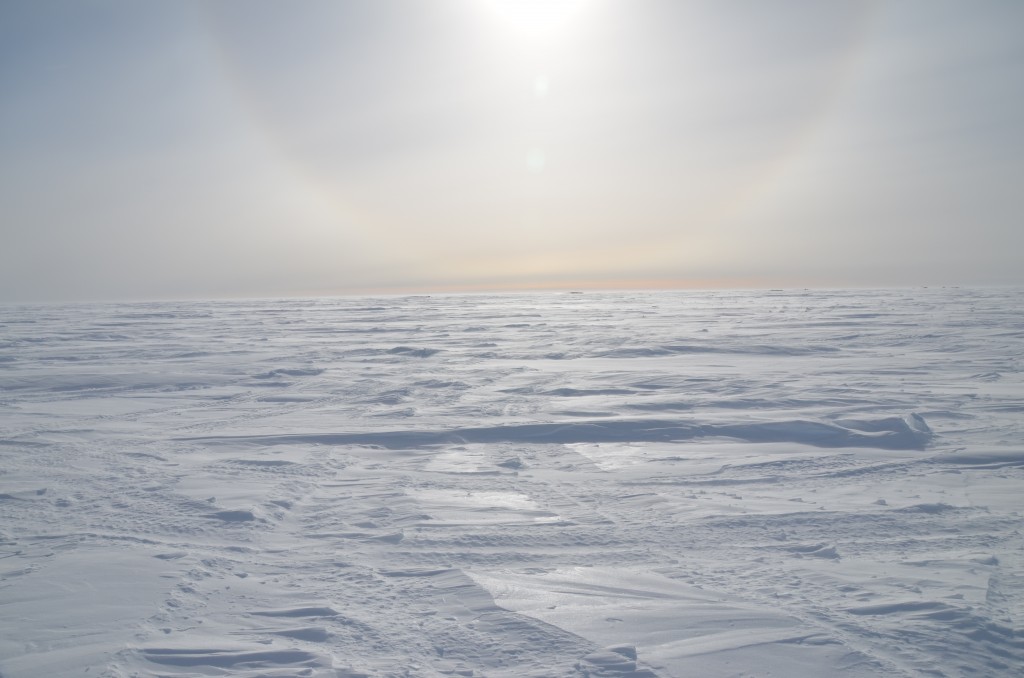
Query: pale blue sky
(258, 148)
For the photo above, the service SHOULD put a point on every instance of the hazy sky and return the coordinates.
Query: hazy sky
(250, 147)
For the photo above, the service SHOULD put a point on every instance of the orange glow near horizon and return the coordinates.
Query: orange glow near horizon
(623, 284)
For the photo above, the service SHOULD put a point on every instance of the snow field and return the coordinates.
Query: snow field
(796, 483)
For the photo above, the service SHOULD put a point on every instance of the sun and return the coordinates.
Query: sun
(536, 17)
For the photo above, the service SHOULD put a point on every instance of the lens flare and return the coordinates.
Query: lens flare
(536, 159)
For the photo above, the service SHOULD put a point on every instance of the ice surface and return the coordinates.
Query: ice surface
(787, 483)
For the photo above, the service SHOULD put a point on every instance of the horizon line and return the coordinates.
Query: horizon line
(611, 286)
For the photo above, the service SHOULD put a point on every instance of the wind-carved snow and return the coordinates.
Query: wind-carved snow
(793, 483)
(467, 507)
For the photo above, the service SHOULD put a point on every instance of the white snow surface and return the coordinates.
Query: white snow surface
(677, 484)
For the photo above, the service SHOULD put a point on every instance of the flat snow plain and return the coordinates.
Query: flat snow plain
(784, 483)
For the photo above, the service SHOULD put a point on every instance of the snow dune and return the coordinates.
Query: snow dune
(789, 483)
(909, 432)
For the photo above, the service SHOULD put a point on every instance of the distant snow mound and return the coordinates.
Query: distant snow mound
(983, 457)
(414, 351)
(910, 431)
(290, 372)
(233, 516)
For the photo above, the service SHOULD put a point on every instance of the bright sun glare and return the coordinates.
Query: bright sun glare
(536, 17)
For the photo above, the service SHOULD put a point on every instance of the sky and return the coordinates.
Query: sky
(250, 148)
